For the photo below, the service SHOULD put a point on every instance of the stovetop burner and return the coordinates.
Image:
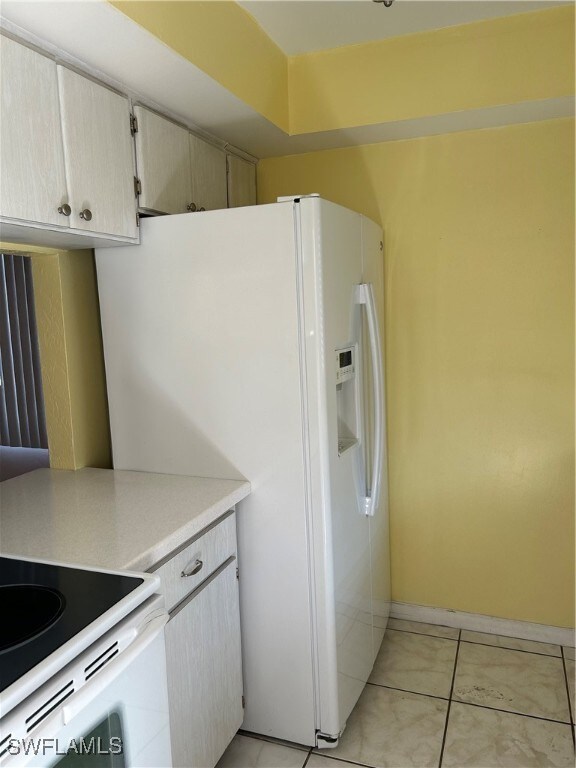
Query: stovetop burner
(43, 606)
(28, 610)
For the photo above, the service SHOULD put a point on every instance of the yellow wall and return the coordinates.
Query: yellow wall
(53, 359)
(479, 283)
(479, 230)
(508, 60)
(488, 63)
(69, 336)
(86, 377)
(225, 42)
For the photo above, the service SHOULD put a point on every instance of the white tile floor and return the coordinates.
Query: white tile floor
(443, 697)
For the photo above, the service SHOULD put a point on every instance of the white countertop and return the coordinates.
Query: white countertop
(108, 518)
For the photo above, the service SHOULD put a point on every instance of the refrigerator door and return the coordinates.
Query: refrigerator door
(331, 259)
(373, 273)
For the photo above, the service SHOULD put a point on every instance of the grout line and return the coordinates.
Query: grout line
(272, 740)
(572, 716)
(519, 650)
(511, 712)
(474, 622)
(420, 634)
(450, 701)
(341, 760)
(407, 690)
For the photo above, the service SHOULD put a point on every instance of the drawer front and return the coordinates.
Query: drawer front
(188, 568)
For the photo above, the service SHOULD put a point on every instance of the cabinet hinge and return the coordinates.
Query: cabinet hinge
(133, 124)
(137, 219)
(243, 703)
(137, 186)
(237, 573)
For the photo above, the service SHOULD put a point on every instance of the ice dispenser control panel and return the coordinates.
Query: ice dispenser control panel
(345, 364)
(346, 397)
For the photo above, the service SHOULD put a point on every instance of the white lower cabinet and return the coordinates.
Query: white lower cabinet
(203, 651)
(204, 672)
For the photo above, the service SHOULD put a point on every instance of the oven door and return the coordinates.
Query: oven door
(118, 718)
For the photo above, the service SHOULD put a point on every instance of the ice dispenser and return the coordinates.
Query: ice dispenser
(346, 397)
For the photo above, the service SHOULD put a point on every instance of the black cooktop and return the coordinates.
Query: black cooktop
(43, 606)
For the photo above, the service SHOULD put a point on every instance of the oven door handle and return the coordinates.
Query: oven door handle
(101, 680)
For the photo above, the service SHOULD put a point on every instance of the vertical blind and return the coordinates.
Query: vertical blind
(22, 421)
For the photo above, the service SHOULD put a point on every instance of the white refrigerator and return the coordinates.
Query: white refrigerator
(246, 343)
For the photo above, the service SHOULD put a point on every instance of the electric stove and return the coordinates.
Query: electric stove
(51, 612)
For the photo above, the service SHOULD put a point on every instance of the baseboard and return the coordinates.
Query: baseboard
(477, 622)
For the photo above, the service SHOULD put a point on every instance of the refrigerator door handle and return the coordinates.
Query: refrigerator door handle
(365, 296)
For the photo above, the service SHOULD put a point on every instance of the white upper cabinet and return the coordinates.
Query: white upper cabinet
(241, 182)
(67, 172)
(98, 156)
(163, 161)
(177, 170)
(32, 179)
(208, 164)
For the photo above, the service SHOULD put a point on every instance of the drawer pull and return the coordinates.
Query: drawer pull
(197, 566)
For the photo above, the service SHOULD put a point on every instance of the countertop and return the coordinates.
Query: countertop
(108, 518)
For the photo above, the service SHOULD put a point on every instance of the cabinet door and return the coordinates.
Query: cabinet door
(163, 163)
(98, 156)
(205, 672)
(208, 164)
(32, 179)
(241, 182)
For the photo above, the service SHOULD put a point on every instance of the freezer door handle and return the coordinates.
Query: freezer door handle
(365, 296)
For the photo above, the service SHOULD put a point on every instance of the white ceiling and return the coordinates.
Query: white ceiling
(301, 26)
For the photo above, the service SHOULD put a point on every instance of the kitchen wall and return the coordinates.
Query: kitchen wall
(479, 230)
(70, 341)
(88, 401)
(479, 285)
(486, 65)
(225, 42)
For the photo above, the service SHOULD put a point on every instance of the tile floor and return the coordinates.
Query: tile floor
(446, 697)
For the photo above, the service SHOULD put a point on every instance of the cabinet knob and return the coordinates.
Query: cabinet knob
(190, 571)
(65, 209)
(86, 214)
(191, 207)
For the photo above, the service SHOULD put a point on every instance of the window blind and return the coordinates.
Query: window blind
(22, 420)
